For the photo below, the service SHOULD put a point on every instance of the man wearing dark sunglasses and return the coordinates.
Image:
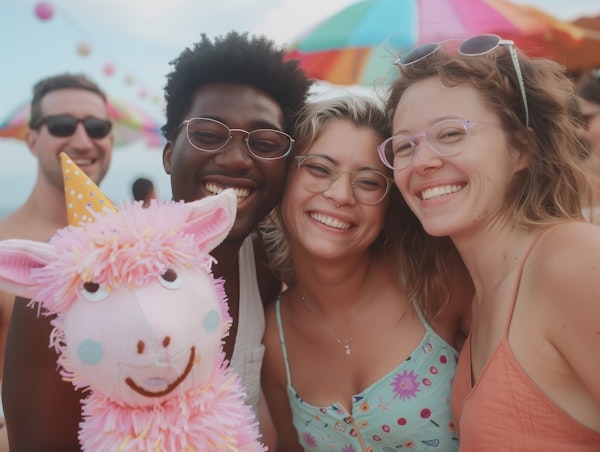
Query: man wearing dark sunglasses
(231, 106)
(68, 113)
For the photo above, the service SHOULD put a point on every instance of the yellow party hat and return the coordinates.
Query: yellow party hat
(82, 195)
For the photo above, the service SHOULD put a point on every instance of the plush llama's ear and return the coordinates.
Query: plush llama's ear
(17, 259)
(211, 218)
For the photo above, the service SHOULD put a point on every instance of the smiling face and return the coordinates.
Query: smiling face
(91, 155)
(140, 346)
(453, 194)
(196, 174)
(314, 220)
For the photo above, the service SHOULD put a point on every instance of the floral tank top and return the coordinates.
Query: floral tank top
(407, 409)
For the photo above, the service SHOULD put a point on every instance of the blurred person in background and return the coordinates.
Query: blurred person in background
(143, 190)
(68, 114)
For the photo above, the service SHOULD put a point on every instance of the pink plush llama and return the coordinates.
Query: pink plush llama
(139, 321)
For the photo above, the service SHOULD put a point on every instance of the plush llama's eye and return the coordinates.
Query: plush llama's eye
(94, 292)
(171, 279)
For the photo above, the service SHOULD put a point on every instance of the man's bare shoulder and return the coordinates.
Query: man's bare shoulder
(21, 224)
(10, 225)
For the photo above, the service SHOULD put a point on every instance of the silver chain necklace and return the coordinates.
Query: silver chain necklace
(347, 346)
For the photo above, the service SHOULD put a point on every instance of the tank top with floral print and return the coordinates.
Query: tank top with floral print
(407, 409)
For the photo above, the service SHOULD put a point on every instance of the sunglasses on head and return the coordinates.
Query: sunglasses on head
(475, 46)
(65, 125)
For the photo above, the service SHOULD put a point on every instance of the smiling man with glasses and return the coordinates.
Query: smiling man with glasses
(230, 107)
(68, 114)
(231, 110)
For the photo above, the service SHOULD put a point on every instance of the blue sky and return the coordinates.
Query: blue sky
(139, 38)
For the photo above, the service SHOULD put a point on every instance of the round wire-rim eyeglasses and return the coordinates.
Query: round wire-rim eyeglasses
(444, 139)
(221, 141)
(330, 177)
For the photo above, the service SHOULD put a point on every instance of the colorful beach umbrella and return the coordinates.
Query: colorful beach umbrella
(359, 44)
(130, 123)
(14, 125)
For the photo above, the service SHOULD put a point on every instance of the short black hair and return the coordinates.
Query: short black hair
(141, 188)
(54, 83)
(236, 58)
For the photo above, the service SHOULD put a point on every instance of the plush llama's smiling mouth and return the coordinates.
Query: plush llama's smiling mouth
(148, 393)
(441, 190)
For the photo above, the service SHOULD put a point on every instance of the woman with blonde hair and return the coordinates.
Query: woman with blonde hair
(361, 348)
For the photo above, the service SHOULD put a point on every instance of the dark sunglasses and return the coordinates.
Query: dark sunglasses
(65, 126)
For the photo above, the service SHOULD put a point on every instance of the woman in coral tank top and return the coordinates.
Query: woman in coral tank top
(487, 149)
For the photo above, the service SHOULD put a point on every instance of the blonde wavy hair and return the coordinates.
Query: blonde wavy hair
(400, 226)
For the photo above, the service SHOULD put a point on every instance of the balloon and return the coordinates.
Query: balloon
(108, 69)
(129, 80)
(143, 93)
(83, 49)
(44, 11)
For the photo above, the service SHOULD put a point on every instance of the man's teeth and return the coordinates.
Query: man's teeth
(439, 191)
(240, 193)
(328, 221)
(82, 162)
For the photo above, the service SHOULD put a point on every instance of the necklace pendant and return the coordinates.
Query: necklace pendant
(348, 351)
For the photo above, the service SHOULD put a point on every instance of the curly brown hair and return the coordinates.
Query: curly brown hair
(555, 184)
(427, 275)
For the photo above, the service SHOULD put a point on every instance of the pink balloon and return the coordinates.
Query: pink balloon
(44, 11)
(108, 69)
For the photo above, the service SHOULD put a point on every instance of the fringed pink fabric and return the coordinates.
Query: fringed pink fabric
(126, 248)
(130, 249)
(211, 418)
